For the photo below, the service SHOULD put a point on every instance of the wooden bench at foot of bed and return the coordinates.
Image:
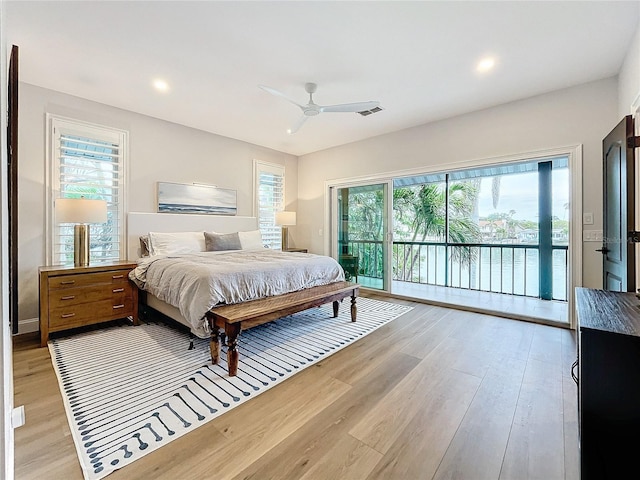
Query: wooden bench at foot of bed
(235, 318)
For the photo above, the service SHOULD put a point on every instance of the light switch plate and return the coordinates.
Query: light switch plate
(587, 218)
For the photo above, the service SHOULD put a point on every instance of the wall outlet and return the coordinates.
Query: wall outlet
(17, 417)
(320, 232)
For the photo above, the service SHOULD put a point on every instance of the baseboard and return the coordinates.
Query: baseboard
(28, 325)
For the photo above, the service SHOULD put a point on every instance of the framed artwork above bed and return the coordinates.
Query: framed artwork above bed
(193, 198)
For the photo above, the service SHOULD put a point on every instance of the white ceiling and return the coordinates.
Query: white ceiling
(417, 58)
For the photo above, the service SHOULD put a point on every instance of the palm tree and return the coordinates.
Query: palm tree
(419, 212)
(423, 209)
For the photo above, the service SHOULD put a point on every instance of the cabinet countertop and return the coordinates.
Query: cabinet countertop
(614, 312)
(98, 267)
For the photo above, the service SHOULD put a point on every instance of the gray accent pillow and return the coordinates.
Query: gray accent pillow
(144, 246)
(216, 242)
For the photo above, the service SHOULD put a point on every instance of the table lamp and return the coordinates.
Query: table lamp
(81, 211)
(285, 219)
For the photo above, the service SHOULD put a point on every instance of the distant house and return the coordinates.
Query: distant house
(499, 231)
(529, 235)
(489, 229)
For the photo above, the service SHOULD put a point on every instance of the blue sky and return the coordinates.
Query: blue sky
(519, 192)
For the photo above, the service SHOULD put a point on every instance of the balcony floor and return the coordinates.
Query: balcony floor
(513, 306)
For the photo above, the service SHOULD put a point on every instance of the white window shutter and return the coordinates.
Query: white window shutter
(269, 182)
(88, 161)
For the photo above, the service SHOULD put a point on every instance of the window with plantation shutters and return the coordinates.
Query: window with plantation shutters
(87, 160)
(269, 195)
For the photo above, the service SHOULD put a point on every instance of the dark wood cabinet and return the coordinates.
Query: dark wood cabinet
(608, 383)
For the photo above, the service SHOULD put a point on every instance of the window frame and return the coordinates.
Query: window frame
(260, 166)
(92, 130)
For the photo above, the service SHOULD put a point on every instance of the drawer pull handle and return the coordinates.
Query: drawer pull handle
(68, 282)
(118, 290)
(115, 277)
(68, 297)
(68, 315)
(118, 306)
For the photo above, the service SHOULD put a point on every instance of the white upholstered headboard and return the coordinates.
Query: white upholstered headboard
(139, 223)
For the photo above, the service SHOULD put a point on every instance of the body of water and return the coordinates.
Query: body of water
(501, 270)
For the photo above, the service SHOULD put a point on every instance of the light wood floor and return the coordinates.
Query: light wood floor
(434, 394)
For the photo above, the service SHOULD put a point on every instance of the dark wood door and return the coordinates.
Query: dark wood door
(12, 187)
(619, 209)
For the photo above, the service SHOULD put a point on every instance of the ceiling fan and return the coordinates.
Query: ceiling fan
(312, 109)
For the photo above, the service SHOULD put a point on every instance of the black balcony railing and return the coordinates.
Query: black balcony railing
(502, 268)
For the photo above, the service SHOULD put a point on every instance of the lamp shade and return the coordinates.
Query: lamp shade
(80, 210)
(285, 218)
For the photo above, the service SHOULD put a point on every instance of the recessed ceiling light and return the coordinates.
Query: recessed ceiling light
(486, 64)
(161, 85)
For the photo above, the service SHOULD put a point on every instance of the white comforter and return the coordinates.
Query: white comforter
(194, 283)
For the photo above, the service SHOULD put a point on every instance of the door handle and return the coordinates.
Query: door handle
(604, 250)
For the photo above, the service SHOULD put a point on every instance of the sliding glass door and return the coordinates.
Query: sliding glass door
(501, 229)
(360, 233)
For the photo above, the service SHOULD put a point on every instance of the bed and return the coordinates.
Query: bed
(236, 285)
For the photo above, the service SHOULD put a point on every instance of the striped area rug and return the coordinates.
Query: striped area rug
(130, 390)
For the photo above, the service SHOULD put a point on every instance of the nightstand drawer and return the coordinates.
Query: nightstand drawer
(81, 280)
(62, 318)
(64, 297)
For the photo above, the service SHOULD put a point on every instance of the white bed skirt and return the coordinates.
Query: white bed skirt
(166, 309)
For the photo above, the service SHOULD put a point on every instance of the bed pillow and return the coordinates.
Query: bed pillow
(215, 242)
(176, 243)
(144, 246)
(251, 240)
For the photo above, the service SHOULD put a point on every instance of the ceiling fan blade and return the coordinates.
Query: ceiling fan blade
(350, 107)
(297, 126)
(275, 92)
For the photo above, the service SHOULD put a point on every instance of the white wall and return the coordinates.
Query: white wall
(578, 115)
(629, 77)
(629, 103)
(159, 151)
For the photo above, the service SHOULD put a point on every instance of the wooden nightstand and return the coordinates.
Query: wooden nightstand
(73, 297)
(299, 250)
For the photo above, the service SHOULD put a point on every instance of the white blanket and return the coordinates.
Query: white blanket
(195, 283)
